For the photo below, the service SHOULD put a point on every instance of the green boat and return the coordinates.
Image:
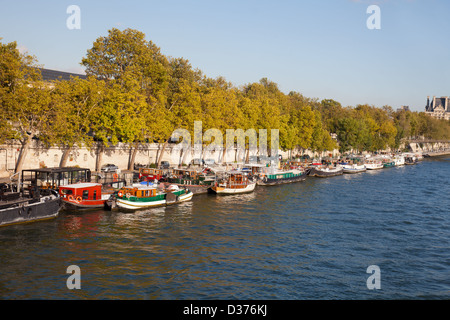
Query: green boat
(281, 177)
(389, 164)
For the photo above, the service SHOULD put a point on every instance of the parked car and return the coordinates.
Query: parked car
(109, 168)
(165, 165)
(209, 161)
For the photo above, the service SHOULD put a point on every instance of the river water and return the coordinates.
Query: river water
(310, 240)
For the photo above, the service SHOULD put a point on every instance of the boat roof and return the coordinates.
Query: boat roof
(237, 172)
(56, 170)
(140, 186)
(81, 185)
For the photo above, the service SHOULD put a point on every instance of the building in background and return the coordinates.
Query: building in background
(403, 108)
(438, 107)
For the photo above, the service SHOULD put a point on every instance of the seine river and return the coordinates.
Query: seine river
(310, 240)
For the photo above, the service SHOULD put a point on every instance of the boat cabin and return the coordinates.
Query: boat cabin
(151, 174)
(185, 173)
(185, 176)
(81, 191)
(237, 180)
(53, 178)
(138, 192)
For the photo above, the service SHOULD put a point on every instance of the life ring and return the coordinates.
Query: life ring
(120, 194)
(70, 198)
(79, 199)
(115, 176)
(128, 195)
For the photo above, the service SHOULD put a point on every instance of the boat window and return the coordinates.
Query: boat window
(85, 194)
(95, 194)
(66, 191)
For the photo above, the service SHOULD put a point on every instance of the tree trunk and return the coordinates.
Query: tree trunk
(224, 153)
(98, 164)
(185, 153)
(133, 153)
(64, 157)
(247, 157)
(23, 153)
(162, 152)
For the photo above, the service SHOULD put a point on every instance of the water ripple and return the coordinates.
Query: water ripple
(311, 240)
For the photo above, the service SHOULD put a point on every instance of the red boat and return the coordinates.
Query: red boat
(150, 174)
(86, 195)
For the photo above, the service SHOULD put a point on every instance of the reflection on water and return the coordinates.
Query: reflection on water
(308, 240)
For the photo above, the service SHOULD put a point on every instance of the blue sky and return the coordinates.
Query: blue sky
(320, 48)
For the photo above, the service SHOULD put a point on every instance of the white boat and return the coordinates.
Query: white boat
(325, 171)
(399, 160)
(373, 164)
(354, 168)
(234, 182)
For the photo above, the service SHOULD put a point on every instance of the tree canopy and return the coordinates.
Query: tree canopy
(135, 94)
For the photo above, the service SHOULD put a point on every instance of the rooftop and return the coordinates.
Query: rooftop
(50, 75)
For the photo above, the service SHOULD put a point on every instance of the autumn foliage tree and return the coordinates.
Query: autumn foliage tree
(134, 94)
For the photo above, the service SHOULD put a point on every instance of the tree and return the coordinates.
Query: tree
(137, 78)
(79, 104)
(28, 109)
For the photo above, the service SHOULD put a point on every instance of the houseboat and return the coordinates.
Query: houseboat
(354, 168)
(196, 181)
(399, 160)
(234, 182)
(86, 195)
(151, 174)
(143, 196)
(20, 206)
(281, 177)
(388, 163)
(322, 171)
(373, 164)
(411, 160)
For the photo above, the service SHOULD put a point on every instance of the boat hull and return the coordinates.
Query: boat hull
(196, 189)
(84, 205)
(47, 208)
(325, 174)
(274, 182)
(138, 205)
(351, 171)
(389, 165)
(224, 190)
(374, 167)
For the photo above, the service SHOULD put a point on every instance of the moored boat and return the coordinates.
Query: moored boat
(86, 195)
(151, 174)
(388, 164)
(19, 207)
(354, 168)
(281, 177)
(410, 160)
(399, 160)
(142, 196)
(325, 171)
(373, 164)
(195, 181)
(234, 182)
